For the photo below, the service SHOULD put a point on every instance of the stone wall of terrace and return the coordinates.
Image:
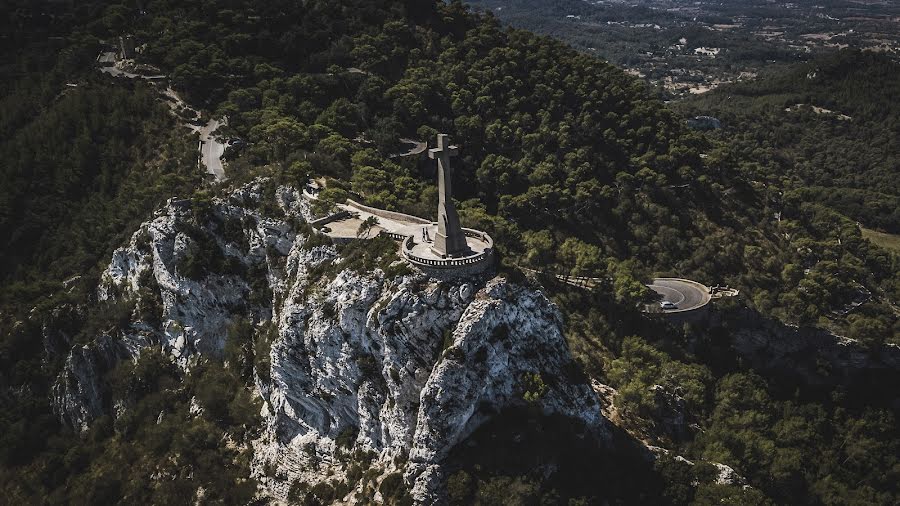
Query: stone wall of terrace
(480, 259)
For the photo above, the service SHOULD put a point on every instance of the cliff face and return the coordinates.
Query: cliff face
(79, 394)
(808, 355)
(398, 367)
(364, 356)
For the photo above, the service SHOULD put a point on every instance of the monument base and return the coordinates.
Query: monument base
(444, 248)
(419, 250)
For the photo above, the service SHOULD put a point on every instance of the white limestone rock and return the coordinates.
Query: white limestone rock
(363, 354)
(403, 366)
(193, 315)
(196, 314)
(79, 392)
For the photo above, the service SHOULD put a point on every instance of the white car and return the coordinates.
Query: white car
(668, 305)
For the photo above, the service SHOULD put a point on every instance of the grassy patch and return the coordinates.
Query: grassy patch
(887, 241)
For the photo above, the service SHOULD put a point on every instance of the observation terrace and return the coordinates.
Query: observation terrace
(443, 247)
(416, 236)
(418, 250)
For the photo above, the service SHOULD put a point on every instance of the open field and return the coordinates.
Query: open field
(886, 241)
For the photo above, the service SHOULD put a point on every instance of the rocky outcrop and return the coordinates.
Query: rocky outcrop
(186, 317)
(358, 362)
(407, 366)
(79, 394)
(670, 412)
(195, 313)
(400, 367)
(502, 341)
(725, 475)
(808, 355)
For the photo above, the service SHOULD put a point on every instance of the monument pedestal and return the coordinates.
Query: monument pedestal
(450, 246)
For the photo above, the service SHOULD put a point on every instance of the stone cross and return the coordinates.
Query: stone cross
(449, 240)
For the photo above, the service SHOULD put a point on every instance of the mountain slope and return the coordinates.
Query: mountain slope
(573, 168)
(827, 130)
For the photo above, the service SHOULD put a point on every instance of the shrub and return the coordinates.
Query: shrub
(239, 348)
(368, 367)
(534, 387)
(262, 351)
(454, 353)
(460, 488)
(347, 437)
(392, 486)
(298, 491)
(323, 492)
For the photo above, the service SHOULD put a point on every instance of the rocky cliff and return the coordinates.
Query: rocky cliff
(381, 364)
(806, 355)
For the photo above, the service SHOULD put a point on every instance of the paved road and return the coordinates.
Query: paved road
(687, 295)
(211, 150)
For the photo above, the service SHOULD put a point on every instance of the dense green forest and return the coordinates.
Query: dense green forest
(829, 131)
(84, 161)
(823, 138)
(572, 165)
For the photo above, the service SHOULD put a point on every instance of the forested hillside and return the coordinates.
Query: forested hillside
(568, 161)
(824, 136)
(572, 166)
(829, 131)
(83, 160)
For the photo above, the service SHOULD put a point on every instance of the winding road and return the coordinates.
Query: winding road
(211, 149)
(686, 295)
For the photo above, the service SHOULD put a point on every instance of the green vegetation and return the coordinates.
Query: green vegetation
(640, 366)
(157, 435)
(520, 458)
(534, 387)
(82, 166)
(802, 450)
(683, 387)
(204, 256)
(80, 177)
(572, 166)
(394, 490)
(882, 239)
(362, 255)
(822, 172)
(681, 50)
(788, 131)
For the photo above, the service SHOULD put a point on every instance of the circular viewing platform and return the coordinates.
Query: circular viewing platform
(417, 249)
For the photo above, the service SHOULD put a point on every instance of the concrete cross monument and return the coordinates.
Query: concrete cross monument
(449, 241)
